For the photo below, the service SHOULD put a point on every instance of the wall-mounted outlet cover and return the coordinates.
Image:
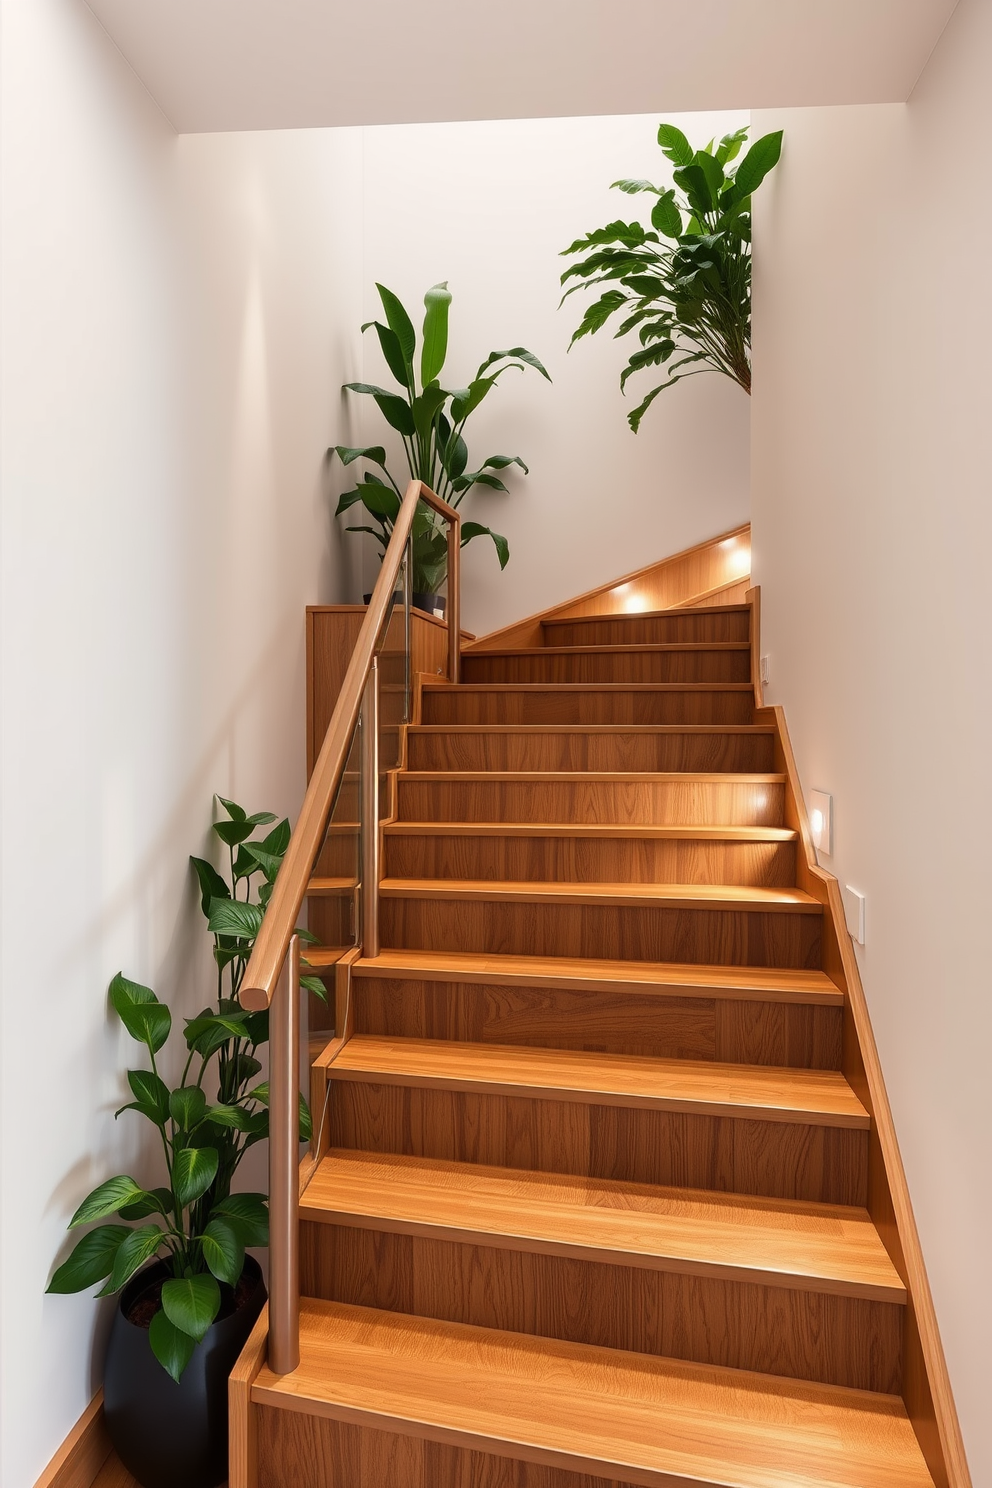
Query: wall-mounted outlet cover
(764, 668)
(821, 821)
(854, 912)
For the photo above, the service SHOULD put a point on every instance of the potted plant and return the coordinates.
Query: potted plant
(430, 421)
(689, 298)
(189, 1293)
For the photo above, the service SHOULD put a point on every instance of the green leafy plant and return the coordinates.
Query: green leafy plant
(431, 424)
(194, 1221)
(689, 297)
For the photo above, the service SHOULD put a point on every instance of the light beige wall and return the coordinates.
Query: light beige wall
(872, 530)
(489, 207)
(176, 320)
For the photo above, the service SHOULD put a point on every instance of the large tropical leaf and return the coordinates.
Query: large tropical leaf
(435, 347)
(146, 1019)
(90, 1260)
(401, 326)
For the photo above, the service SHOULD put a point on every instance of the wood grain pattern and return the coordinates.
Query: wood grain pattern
(743, 982)
(84, 1452)
(681, 578)
(113, 1474)
(591, 798)
(564, 747)
(580, 703)
(783, 1160)
(648, 1021)
(699, 1087)
(728, 661)
(587, 1409)
(658, 628)
(562, 854)
(242, 1419)
(438, 918)
(732, 1238)
(802, 1334)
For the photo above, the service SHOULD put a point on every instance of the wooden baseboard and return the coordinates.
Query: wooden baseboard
(84, 1451)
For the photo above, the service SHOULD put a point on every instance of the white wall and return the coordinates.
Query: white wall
(872, 528)
(489, 207)
(171, 351)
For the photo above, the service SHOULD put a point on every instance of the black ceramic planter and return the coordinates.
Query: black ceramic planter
(426, 602)
(169, 1435)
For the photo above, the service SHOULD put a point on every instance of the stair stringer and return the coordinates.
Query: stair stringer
(926, 1383)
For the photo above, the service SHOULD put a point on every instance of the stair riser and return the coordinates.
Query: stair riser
(313, 1452)
(470, 705)
(590, 860)
(772, 1158)
(774, 1330)
(607, 666)
(731, 752)
(733, 1032)
(653, 803)
(650, 630)
(720, 937)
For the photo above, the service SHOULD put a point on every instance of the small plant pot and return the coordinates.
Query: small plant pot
(172, 1435)
(429, 603)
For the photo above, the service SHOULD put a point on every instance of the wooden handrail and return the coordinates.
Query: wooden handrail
(271, 946)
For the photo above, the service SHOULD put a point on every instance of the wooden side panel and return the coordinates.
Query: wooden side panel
(785, 1161)
(685, 577)
(241, 1414)
(773, 1330)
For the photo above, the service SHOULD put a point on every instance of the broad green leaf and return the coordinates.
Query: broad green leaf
(762, 157)
(374, 452)
(500, 462)
(653, 355)
(730, 146)
(107, 1199)
(193, 1171)
(233, 832)
(155, 1201)
(234, 917)
(172, 1348)
(248, 1213)
(151, 1094)
(517, 353)
(435, 347)
(256, 857)
(399, 323)
(90, 1260)
(392, 352)
(234, 811)
(146, 1019)
(212, 886)
(138, 1247)
(187, 1107)
(455, 456)
(381, 501)
(713, 171)
(476, 529)
(223, 1251)
(598, 314)
(235, 1117)
(210, 1030)
(315, 985)
(478, 478)
(674, 144)
(346, 500)
(632, 187)
(467, 401)
(666, 216)
(191, 1303)
(425, 407)
(395, 410)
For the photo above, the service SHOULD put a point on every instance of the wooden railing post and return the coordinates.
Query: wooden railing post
(284, 1149)
(370, 813)
(454, 598)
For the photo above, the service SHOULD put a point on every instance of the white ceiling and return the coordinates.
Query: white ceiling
(280, 64)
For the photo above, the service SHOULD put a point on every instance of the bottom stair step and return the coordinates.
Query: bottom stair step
(614, 1415)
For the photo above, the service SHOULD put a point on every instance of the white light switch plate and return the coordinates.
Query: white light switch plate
(854, 911)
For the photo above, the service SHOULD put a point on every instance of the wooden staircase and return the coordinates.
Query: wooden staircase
(602, 1195)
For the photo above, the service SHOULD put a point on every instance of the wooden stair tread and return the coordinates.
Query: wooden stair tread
(608, 687)
(745, 983)
(618, 649)
(687, 777)
(729, 1236)
(804, 1096)
(461, 729)
(600, 1411)
(670, 896)
(330, 887)
(687, 833)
